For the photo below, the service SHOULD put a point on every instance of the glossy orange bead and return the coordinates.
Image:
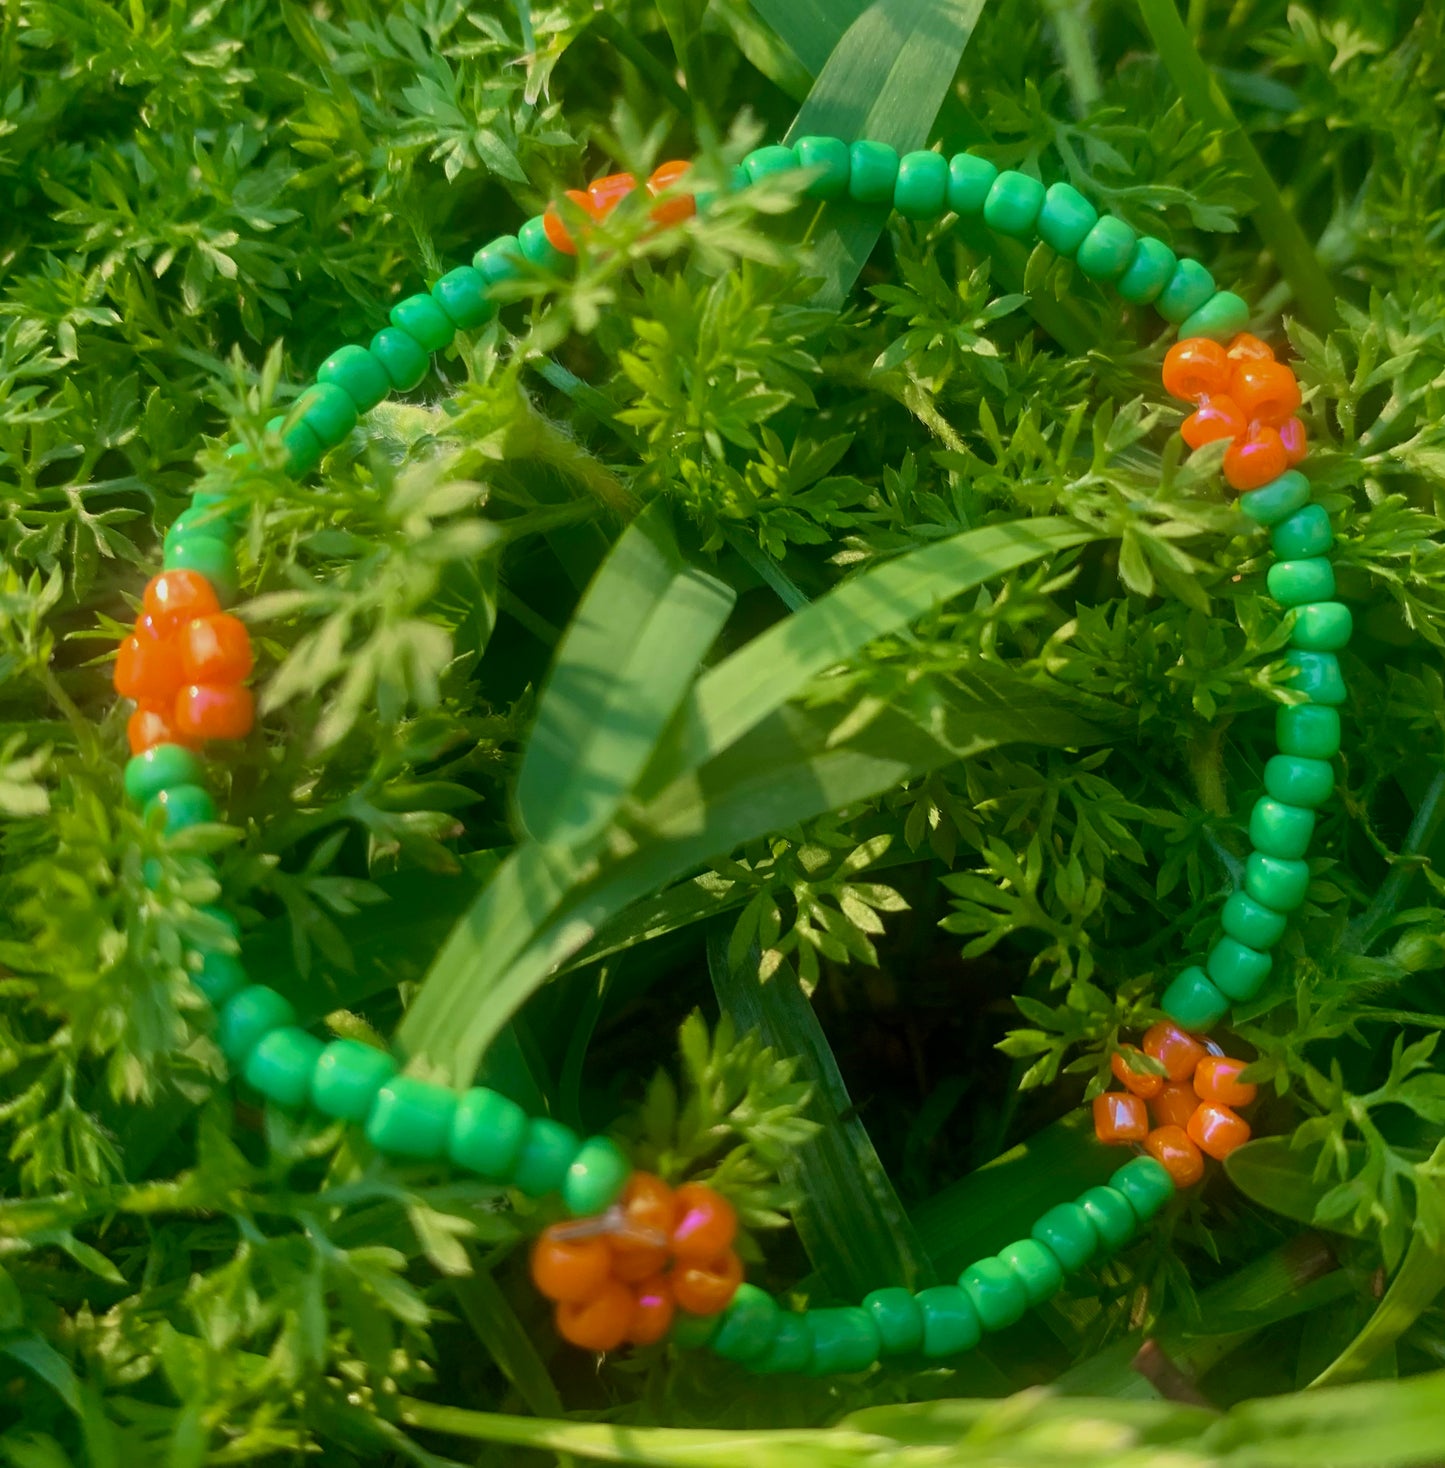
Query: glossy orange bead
(706, 1223)
(570, 1269)
(215, 649)
(664, 177)
(214, 711)
(1214, 418)
(1296, 444)
(600, 1323)
(1249, 348)
(652, 1310)
(174, 597)
(149, 726)
(1217, 1130)
(704, 1289)
(607, 193)
(1175, 1050)
(1255, 460)
(1267, 392)
(1196, 368)
(557, 232)
(1140, 1082)
(1171, 1147)
(640, 1242)
(1217, 1079)
(1120, 1117)
(148, 667)
(1175, 1104)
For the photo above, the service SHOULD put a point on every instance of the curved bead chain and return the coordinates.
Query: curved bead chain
(641, 1261)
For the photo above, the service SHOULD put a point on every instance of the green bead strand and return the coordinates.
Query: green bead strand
(872, 173)
(1237, 971)
(1292, 583)
(897, 1319)
(328, 411)
(183, 806)
(500, 260)
(160, 766)
(969, 180)
(1193, 1002)
(199, 520)
(1278, 499)
(1036, 1267)
(1250, 922)
(1299, 781)
(487, 1134)
(1324, 626)
(282, 1064)
(748, 1325)
(1222, 316)
(1013, 204)
(1066, 217)
(209, 557)
(304, 450)
(1069, 1234)
(1305, 533)
(921, 188)
(548, 1150)
(247, 1018)
(1189, 287)
(845, 1341)
(347, 1077)
(829, 159)
(537, 249)
(424, 321)
(595, 1177)
(791, 1351)
(1148, 272)
(358, 374)
(220, 977)
(1113, 1219)
(401, 357)
(1309, 730)
(462, 295)
(1145, 1184)
(763, 163)
(411, 1118)
(1277, 829)
(995, 1292)
(950, 1323)
(1107, 249)
(1317, 675)
(1277, 882)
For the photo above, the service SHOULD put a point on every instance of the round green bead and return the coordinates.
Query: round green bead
(1309, 730)
(969, 180)
(995, 1292)
(487, 1133)
(220, 977)
(692, 1331)
(791, 1350)
(199, 520)
(160, 766)
(328, 411)
(1306, 533)
(346, 1078)
(1278, 499)
(210, 557)
(950, 1323)
(829, 159)
(548, 1150)
(845, 1340)
(1149, 270)
(898, 1319)
(535, 247)
(1107, 249)
(1222, 316)
(1280, 830)
(1292, 583)
(219, 915)
(1276, 881)
(1113, 1219)
(249, 1016)
(1013, 203)
(1036, 1267)
(421, 318)
(220, 506)
(1069, 1234)
(872, 172)
(921, 188)
(358, 374)
(1317, 675)
(595, 1177)
(411, 1118)
(401, 357)
(500, 260)
(304, 450)
(1250, 922)
(1238, 972)
(748, 1324)
(1193, 1002)
(1324, 626)
(184, 806)
(1146, 1184)
(762, 163)
(462, 295)
(281, 1065)
(1189, 287)
(1299, 781)
(1066, 217)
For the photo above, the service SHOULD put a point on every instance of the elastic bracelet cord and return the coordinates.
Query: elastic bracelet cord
(640, 1261)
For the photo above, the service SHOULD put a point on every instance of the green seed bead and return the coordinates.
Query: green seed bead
(1013, 203)
(210, 557)
(1221, 317)
(1278, 499)
(872, 172)
(1148, 272)
(157, 768)
(532, 241)
(1036, 1268)
(487, 1133)
(595, 1177)
(462, 295)
(1107, 249)
(500, 260)
(225, 919)
(898, 1320)
(184, 806)
(1146, 1184)
(1317, 675)
(791, 1350)
(1280, 830)
(548, 1150)
(1113, 1219)
(421, 318)
(763, 163)
(1069, 1234)
(969, 180)
(921, 189)
(220, 977)
(411, 1118)
(198, 520)
(303, 449)
(1066, 217)
(1276, 881)
(995, 1292)
(346, 1078)
(1306, 533)
(1189, 287)
(249, 1016)
(281, 1065)
(1309, 730)
(220, 506)
(401, 357)
(1292, 583)
(1238, 972)
(830, 159)
(328, 411)
(845, 1341)
(1193, 1002)
(950, 1323)
(1324, 626)
(1250, 922)
(693, 1331)
(748, 1324)
(358, 374)
(1297, 781)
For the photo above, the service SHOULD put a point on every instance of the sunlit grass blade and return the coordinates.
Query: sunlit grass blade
(810, 28)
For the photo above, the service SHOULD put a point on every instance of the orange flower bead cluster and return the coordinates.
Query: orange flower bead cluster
(1193, 1104)
(599, 199)
(1242, 394)
(185, 665)
(621, 1276)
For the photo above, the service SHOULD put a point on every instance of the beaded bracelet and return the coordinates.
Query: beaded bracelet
(639, 1261)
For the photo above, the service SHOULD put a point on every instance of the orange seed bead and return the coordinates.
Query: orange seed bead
(664, 177)
(598, 1324)
(1175, 1050)
(148, 666)
(1217, 1079)
(1214, 418)
(640, 1243)
(1195, 368)
(1267, 392)
(1120, 1117)
(1175, 1104)
(174, 597)
(570, 1269)
(652, 1310)
(1140, 1082)
(215, 649)
(704, 1289)
(214, 711)
(607, 193)
(1171, 1147)
(149, 726)
(1256, 459)
(1217, 1129)
(554, 227)
(1296, 444)
(706, 1224)
(1248, 348)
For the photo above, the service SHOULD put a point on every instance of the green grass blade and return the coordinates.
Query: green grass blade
(810, 28)
(505, 1338)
